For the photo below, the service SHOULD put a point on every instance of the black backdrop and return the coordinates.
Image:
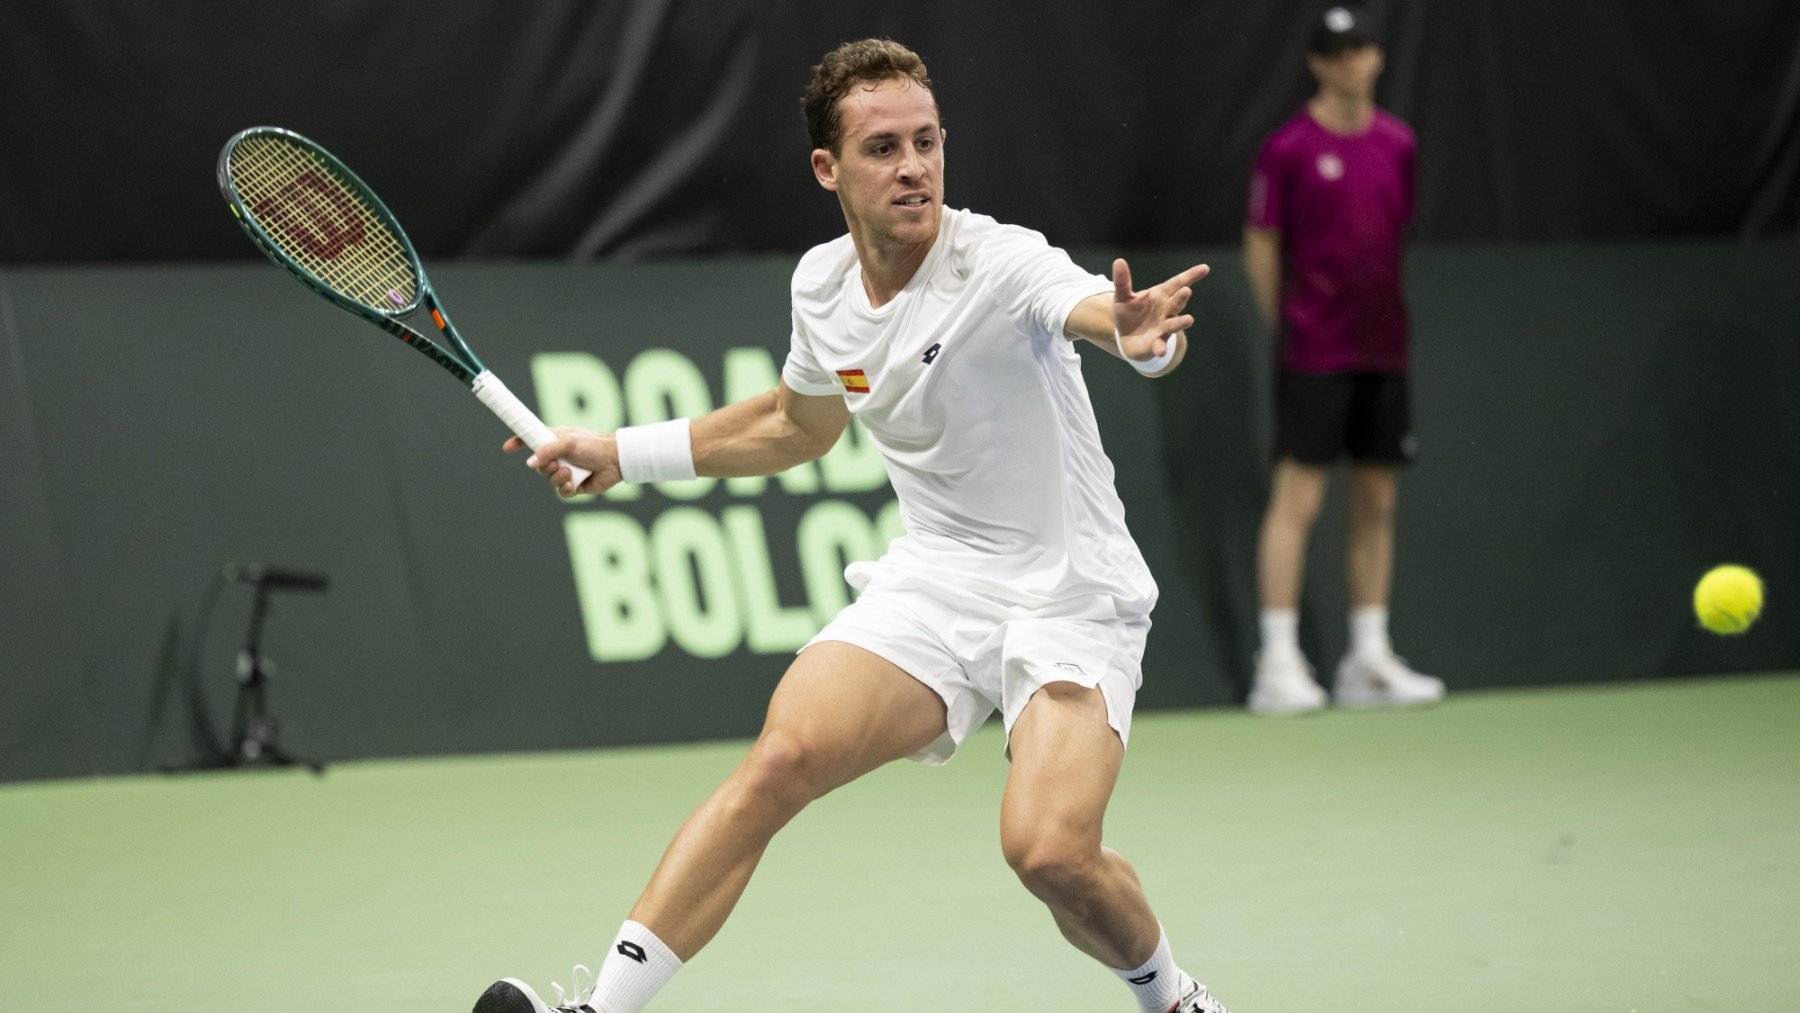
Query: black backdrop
(575, 128)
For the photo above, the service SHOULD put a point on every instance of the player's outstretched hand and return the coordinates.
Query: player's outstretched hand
(597, 452)
(1147, 321)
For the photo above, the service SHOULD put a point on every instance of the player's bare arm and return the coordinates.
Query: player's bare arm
(760, 435)
(768, 433)
(1139, 326)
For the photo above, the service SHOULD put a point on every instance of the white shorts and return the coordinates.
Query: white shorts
(979, 654)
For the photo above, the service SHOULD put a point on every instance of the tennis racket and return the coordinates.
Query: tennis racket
(316, 219)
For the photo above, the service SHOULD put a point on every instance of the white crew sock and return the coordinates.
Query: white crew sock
(1369, 632)
(1157, 984)
(637, 967)
(1280, 633)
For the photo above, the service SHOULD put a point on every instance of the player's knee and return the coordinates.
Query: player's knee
(781, 773)
(1055, 868)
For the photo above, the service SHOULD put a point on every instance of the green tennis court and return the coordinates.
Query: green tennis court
(1620, 848)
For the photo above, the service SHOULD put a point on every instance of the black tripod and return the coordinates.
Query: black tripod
(253, 730)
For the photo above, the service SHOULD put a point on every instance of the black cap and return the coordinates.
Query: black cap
(1342, 27)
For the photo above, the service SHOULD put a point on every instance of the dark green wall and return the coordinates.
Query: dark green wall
(1599, 425)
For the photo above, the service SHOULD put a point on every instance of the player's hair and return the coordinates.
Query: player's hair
(868, 60)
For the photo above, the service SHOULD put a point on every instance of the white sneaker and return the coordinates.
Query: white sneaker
(1198, 1000)
(1285, 685)
(510, 995)
(1382, 681)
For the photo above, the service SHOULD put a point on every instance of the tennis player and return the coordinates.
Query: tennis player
(1016, 586)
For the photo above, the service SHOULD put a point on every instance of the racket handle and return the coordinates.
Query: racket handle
(520, 419)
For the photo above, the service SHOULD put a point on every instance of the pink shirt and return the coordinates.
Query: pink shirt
(1342, 202)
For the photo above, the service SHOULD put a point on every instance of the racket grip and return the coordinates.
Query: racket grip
(520, 419)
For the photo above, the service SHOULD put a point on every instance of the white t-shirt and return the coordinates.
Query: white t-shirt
(975, 398)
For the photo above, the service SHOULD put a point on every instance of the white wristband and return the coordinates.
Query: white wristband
(660, 452)
(1150, 367)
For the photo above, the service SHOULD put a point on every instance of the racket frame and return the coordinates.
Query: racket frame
(459, 359)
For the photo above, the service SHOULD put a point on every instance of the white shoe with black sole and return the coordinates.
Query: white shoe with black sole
(510, 995)
(1198, 1000)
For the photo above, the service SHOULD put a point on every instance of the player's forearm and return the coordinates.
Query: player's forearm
(1092, 319)
(756, 436)
(1262, 262)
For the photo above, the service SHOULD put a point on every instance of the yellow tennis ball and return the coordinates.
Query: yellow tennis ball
(1728, 599)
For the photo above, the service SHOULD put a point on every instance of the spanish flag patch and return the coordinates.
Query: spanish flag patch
(854, 380)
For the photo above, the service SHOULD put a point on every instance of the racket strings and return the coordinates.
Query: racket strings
(322, 223)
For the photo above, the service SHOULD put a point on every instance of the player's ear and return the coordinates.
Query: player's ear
(824, 166)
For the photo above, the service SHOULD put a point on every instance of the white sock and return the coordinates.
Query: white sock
(1369, 632)
(1281, 633)
(1157, 984)
(636, 968)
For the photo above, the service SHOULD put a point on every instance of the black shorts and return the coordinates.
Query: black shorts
(1321, 417)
